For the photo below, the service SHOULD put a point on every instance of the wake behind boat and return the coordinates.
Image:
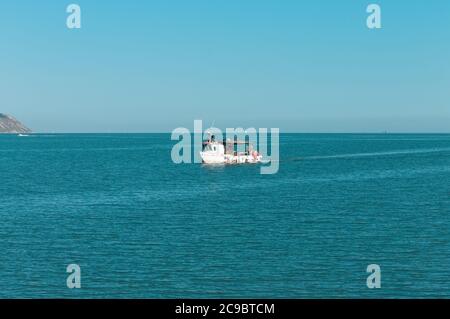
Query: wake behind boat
(226, 152)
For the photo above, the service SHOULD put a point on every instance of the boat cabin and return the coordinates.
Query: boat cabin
(228, 147)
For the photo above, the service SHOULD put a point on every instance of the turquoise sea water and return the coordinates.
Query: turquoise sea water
(140, 226)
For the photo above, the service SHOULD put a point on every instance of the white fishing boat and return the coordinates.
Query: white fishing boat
(226, 152)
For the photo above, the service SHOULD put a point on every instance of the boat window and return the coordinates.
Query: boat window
(207, 148)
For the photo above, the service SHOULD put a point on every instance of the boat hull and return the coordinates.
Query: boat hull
(211, 158)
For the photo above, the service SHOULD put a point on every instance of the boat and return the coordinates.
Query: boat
(225, 152)
(22, 135)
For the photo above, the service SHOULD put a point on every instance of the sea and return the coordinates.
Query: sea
(140, 226)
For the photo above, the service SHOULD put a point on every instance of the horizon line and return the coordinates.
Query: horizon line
(284, 132)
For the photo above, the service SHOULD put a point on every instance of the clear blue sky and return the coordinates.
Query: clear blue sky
(304, 66)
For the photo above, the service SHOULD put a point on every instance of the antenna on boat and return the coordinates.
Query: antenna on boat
(208, 131)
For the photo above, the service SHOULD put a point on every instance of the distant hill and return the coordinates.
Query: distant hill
(8, 124)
